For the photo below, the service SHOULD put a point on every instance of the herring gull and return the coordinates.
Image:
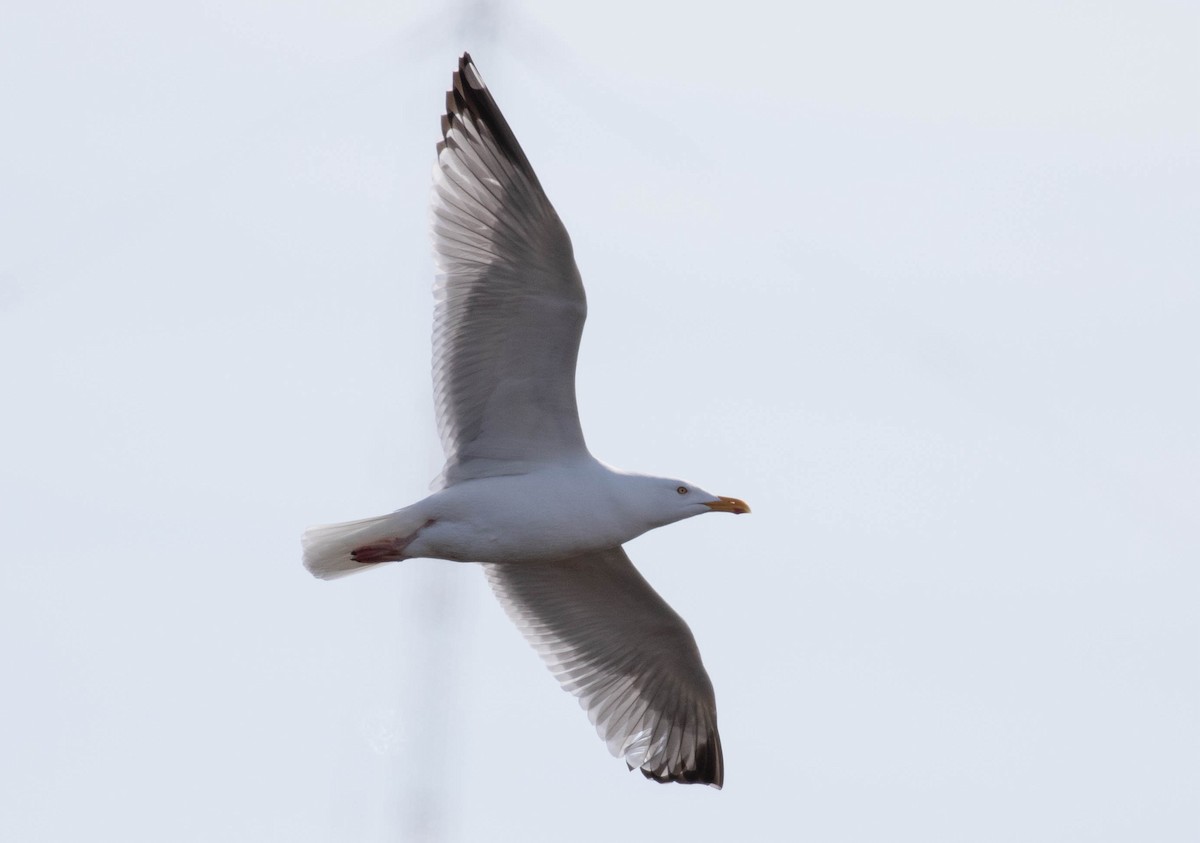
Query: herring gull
(520, 493)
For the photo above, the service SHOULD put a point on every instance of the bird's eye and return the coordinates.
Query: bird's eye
(682, 490)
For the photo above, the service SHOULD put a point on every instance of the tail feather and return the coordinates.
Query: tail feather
(328, 548)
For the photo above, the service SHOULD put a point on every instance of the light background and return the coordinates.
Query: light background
(918, 281)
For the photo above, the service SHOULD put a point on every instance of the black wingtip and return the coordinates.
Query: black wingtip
(469, 98)
(709, 768)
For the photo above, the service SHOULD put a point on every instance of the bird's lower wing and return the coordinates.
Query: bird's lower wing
(631, 660)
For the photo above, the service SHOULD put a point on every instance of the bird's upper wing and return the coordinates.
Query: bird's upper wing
(630, 659)
(510, 303)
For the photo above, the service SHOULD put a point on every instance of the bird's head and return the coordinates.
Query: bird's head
(663, 500)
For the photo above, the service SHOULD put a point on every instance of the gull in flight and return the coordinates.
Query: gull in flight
(520, 493)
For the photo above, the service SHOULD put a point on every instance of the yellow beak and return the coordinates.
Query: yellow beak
(723, 504)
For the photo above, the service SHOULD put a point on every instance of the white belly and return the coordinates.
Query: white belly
(533, 517)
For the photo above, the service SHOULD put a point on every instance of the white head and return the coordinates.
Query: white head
(661, 500)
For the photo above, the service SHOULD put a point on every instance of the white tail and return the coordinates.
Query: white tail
(327, 548)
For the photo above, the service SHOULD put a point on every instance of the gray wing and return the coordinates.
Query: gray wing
(510, 303)
(631, 660)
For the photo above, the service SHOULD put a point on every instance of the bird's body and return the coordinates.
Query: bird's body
(520, 492)
(562, 509)
(555, 511)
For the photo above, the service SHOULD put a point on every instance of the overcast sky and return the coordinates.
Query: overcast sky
(917, 281)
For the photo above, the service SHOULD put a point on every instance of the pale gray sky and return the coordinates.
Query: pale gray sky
(917, 281)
